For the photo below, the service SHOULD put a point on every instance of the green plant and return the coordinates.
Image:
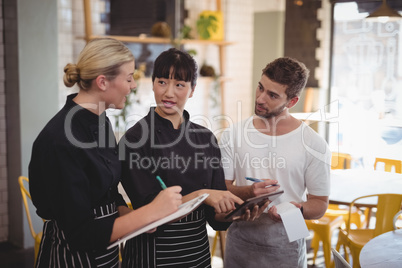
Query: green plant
(185, 32)
(205, 24)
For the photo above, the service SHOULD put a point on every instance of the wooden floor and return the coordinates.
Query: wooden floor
(12, 257)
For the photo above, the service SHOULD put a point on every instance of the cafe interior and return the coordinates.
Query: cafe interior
(353, 99)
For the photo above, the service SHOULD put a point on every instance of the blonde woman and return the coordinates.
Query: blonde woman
(74, 169)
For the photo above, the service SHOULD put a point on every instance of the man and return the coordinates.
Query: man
(272, 144)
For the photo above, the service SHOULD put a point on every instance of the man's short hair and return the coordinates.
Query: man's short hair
(288, 72)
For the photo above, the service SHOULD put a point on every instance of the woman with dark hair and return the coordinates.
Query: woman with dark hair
(167, 144)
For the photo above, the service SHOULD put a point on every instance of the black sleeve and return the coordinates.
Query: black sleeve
(137, 169)
(218, 183)
(61, 190)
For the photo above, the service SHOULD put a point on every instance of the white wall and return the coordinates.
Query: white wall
(268, 42)
(269, 6)
(38, 80)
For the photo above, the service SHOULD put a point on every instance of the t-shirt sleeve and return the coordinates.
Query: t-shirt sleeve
(317, 173)
(227, 154)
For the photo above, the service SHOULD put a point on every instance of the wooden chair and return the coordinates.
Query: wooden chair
(340, 262)
(353, 240)
(25, 193)
(389, 163)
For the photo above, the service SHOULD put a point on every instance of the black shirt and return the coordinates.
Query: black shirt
(189, 157)
(74, 169)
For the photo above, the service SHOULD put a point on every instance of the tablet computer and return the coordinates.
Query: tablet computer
(251, 202)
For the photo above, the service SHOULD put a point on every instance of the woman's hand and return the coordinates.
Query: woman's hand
(222, 201)
(167, 201)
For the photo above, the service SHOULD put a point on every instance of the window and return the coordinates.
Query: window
(366, 85)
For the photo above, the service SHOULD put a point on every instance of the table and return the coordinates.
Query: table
(348, 184)
(383, 251)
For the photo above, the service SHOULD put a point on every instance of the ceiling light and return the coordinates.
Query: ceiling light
(384, 13)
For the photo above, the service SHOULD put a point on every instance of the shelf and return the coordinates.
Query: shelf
(158, 40)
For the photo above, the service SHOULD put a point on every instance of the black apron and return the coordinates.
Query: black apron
(179, 244)
(55, 252)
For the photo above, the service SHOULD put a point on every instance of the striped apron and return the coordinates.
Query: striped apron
(55, 252)
(179, 244)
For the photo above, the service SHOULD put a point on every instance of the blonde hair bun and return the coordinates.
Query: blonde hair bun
(100, 56)
(71, 75)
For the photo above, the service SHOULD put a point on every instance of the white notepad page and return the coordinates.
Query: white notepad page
(293, 221)
(183, 210)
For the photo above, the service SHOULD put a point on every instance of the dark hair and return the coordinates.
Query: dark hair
(183, 65)
(288, 72)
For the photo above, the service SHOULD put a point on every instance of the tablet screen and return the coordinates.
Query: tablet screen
(251, 202)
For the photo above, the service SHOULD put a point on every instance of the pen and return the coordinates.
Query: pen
(258, 180)
(253, 179)
(163, 185)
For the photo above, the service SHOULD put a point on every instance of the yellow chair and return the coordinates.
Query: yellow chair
(324, 227)
(354, 239)
(397, 219)
(389, 163)
(25, 193)
(222, 239)
(341, 161)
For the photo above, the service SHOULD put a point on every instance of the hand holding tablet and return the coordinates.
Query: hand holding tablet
(251, 202)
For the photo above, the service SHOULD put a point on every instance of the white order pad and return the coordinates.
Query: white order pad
(183, 210)
(293, 221)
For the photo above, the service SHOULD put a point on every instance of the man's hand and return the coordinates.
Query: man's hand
(254, 214)
(273, 214)
(264, 187)
(256, 189)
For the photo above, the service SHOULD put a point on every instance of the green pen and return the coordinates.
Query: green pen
(163, 185)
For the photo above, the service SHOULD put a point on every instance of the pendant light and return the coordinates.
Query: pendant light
(384, 13)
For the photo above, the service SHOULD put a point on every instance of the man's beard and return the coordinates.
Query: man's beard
(270, 114)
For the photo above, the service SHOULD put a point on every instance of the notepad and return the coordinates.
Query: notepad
(183, 210)
(293, 221)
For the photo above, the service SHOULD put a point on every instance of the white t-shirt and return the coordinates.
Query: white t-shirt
(299, 160)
